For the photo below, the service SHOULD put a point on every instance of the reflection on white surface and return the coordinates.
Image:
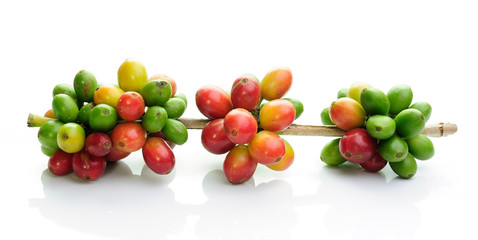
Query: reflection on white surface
(145, 207)
(124, 205)
(127, 206)
(245, 211)
(367, 206)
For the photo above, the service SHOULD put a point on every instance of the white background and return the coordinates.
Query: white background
(430, 45)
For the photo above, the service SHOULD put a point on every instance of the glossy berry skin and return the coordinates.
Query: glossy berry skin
(98, 144)
(240, 126)
(65, 108)
(128, 136)
(277, 115)
(267, 148)
(407, 168)
(374, 164)
(156, 92)
(115, 155)
(158, 156)
(421, 147)
(71, 137)
(347, 113)
(61, 163)
(130, 106)
(330, 153)
(167, 78)
(108, 94)
(175, 131)
(409, 123)
(400, 98)
(355, 89)
(213, 102)
(246, 93)
(48, 134)
(88, 167)
(102, 117)
(132, 75)
(357, 145)
(286, 161)
(214, 138)
(276, 83)
(239, 165)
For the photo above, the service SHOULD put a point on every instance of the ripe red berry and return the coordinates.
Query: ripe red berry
(61, 163)
(213, 102)
(128, 136)
(246, 93)
(277, 115)
(87, 166)
(267, 148)
(239, 165)
(98, 144)
(374, 164)
(130, 106)
(158, 156)
(240, 125)
(214, 137)
(357, 145)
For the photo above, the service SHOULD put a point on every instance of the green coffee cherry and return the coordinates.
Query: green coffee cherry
(154, 119)
(330, 153)
(380, 127)
(406, 168)
(156, 92)
(175, 107)
(85, 85)
(65, 88)
(374, 101)
(394, 149)
(400, 97)
(423, 107)
(342, 93)
(182, 96)
(102, 117)
(48, 151)
(65, 108)
(175, 131)
(48, 132)
(325, 117)
(410, 122)
(421, 147)
(84, 115)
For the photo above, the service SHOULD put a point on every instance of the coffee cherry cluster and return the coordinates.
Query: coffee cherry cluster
(91, 124)
(381, 128)
(246, 127)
